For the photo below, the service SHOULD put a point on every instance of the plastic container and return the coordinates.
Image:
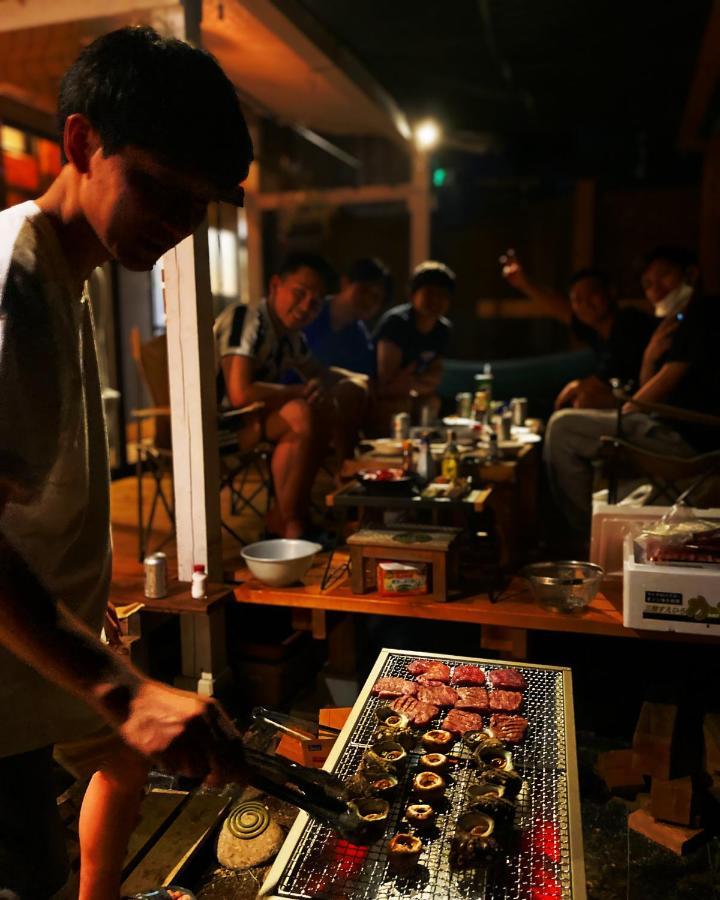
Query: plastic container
(198, 588)
(564, 586)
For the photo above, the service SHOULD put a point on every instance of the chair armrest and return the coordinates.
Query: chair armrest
(227, 417)
(679, 413)
(150, 411)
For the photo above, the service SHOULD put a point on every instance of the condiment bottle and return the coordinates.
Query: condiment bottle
(198, 588)
(407, 456)
(425, 464)
(450, 464)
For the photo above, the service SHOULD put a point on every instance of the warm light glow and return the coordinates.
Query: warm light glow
(427, 134)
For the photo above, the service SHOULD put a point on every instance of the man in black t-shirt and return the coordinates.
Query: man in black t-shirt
(617, 335)
(680, 368)
(411, 340)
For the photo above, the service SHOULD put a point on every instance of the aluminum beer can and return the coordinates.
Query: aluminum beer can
(464, 405)
(155, 576)
(401, 426)
(519, 406)
(506, 423)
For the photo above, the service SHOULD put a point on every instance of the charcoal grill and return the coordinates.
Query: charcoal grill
(315, 864)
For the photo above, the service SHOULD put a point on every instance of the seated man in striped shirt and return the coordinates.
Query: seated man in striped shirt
(256, 345)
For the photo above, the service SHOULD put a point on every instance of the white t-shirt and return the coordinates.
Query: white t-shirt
(53, 453)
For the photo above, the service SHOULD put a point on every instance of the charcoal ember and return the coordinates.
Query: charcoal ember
(509, 679)
(506, 701)
(438, 695)
(430, 669)
(459, 721)
(466, 674)
(394, 687)
(418, 712)
(510, 729)
(474, 699)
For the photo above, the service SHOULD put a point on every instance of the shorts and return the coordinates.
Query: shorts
(33, 857)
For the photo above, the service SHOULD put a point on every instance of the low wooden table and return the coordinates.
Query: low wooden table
(504, 622)
(508, 487)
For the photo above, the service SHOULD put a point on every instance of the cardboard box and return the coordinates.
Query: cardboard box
(670, 598)
(408, 579)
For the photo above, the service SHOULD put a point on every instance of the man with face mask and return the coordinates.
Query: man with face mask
(679, 369)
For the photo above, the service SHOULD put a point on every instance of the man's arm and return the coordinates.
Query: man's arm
(392, 379)
(186, 732)
(657, 389)
(243, 390)
(550, 301)
(429, 380)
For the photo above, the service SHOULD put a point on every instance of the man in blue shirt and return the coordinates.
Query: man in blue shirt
(339, 335)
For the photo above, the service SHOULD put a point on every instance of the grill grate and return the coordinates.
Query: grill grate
(323, 867)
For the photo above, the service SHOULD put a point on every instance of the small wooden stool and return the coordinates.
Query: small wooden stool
(409, 544)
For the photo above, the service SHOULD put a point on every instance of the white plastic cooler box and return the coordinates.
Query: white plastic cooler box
(684, 598)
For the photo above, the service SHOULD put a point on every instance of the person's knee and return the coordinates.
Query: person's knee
(299, 416)
(126, 769)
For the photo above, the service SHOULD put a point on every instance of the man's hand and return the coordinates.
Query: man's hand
(567, 395)
(513, 273)
(661, 341)
(314, 391)
(404, 381)
(186, 733)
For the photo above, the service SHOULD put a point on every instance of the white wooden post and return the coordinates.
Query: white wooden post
(419, 208)
(193, 404)
(253, 217)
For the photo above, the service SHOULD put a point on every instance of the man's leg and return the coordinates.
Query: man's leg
(572, 440)
(33, 856)
(108, 817)
(350, 399)
(293, 429)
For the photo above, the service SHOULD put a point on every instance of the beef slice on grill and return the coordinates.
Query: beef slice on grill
(510, 679)
(418, 712)
(438, 695)
(472, 675)
(510, 729)
(429, 669)
(507, 701)
(394, 687)
(459, 721)
(473, 699)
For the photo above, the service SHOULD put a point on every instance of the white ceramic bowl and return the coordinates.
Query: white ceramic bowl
(280, 562)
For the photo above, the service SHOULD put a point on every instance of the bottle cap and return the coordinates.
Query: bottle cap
(199, 567)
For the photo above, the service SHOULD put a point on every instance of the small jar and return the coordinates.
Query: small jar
(198, 588)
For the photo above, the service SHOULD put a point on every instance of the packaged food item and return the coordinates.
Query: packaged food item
(680, 537)
(402, 578)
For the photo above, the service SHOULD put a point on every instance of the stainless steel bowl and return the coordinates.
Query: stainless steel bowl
(565, 585)
(281, 561)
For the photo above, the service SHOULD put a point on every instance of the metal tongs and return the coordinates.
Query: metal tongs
(320, 794)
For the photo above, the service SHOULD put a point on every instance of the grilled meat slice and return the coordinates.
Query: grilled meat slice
(418, 712)
(394, 687)
(467, 674)
(508, 679)
(459, 721)
(438, 695)
(474, 699)
(429, 669)
(506, 701)
(510, 729)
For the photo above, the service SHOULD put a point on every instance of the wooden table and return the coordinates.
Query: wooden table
(504, 623)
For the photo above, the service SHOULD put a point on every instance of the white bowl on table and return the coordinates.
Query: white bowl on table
(281, 561)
